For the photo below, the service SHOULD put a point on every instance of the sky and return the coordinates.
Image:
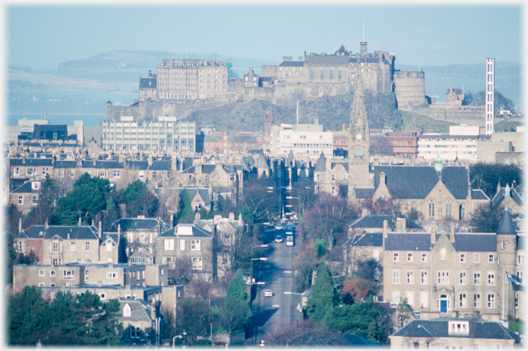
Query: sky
(41, 35)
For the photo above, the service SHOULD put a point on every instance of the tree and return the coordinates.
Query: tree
(258, 204)
(194, 319)
(324, 295)
(182, 271)
(403, 312)
(488, 176)
(236, 312)
(359, 289)
(486, 218)
(304, 264)
(328, 219)
(28, 317)
(85, 201)
(185, 212)
(139, 200)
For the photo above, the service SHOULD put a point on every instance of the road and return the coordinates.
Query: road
(277, 273)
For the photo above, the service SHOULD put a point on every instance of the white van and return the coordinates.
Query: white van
(289, 240)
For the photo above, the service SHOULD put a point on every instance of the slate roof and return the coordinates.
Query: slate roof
(65, 164)
(408, 242)
(326, 60)
(31, 162)
(416, 182)
(140, 165)
(362, 59)
(478, 194)
(112, 236)
(291, 64)
(75, 232)
(438, 328)
(133, 224)
(25, 188)
(481, 242)
(140, 310)
(320, 166)
(102, 164)
(204, 193)
(197, 232)
(231, 168)
(334, 339)
(506, 225)
(370, 221)
(261, 162)
(365, 239)
(364, 193)
(501, 194)
(160, 166)
(344, 164)
(148, 83)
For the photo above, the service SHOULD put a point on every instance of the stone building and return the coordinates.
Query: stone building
(147, 87)
(139, 233)
(187, 241)
(26, 196)
(454, 333)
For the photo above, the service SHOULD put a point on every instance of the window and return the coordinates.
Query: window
(491, 300)
(491, 278)
(395, 257)
(34, 199)
(443, 254)
(72, 246)
(516, 300)
(520, 259)
(431, 210)
(463, 258)
(102, 296)
(87, 246)
(55, 247)
(55, 261)
(491, 258)
(197, 263)
(111, 275)
(68, 275)
(448, 209)
(476, 300)
(117, 173)
(42, 273)
(196, 245)
(520, 276)
(20, 246)
(20, 199)
(424, 257)
(463, 278)
(462, 300)
(127, 312)
(410, 278)
(477, 258)
(443, 278)
(53, 273)
(423, 277)
(395, 277)
(72, 173)
(182, 244)
(409, 257)
(476, 278)
(41, 285)
(108, 246)
(52, 284)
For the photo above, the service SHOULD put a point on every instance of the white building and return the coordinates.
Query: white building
(461, 143)
(162, 133)
(302, 139)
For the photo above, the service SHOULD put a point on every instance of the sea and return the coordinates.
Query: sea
(11, 119)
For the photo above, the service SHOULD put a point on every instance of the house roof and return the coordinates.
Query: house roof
(25, 188)
(139, 224)
(506, 224)
(31, 162)
(344, 164)
(320, 166)
(478, 242)
(148, 83)
(365, 239)
(408, 242)
(439, 328)
(75, 232)
(478, 194)
(291, 64)
(364, 193)
(140, 310)
(501, 194)
(160, 165)
(102, 164)
(416, 182)
(65, 164)
(196, 232)
(467, 242)
(138, 164)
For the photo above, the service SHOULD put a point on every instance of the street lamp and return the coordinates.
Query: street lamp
(184, 335)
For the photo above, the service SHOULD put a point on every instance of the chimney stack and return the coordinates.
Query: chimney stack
(385, 229)
(118, 228)
(452, 232)
(100, 231)
(433, 232)
(401, 225)
(46, 224)
(80, 221)
(20, 225)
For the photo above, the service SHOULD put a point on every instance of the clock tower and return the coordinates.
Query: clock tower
(358, 139)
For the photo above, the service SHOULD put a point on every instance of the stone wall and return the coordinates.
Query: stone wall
(409, 88)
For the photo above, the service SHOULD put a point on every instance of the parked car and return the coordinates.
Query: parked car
(279, 227)
(279, 238)
(268, 292)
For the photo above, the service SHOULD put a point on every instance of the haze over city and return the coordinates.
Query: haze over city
(42, 36)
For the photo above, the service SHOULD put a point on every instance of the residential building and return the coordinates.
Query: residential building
(26, 196)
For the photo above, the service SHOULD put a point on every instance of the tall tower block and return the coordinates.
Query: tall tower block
(490, 95)
(358, 140)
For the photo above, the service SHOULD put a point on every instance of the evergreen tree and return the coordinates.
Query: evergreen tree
(139, 200)
(185, 212)
(324, 295)
(236, 312)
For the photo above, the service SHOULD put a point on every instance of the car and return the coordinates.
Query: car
(268, 292)
(279, 238)
(279, 227)
(289, 240)
(262, 343)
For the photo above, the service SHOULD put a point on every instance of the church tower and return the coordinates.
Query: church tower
(358, 140)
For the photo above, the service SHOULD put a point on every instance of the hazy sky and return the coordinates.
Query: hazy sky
(45, 35)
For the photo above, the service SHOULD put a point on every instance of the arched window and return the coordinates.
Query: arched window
(358, 153)
(431, 210)
(448, 209)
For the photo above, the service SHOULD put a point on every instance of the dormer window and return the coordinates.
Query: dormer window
(35, 185)
(127, 311)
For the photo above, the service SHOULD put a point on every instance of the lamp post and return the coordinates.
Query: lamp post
(184, 334)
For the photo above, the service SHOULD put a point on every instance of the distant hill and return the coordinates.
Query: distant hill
(129, 65)
(471, 78)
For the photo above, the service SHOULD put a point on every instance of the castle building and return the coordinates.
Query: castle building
(191, 79)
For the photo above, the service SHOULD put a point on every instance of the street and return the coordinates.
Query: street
(270, 313)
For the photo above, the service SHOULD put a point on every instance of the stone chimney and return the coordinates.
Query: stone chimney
(231, 216)
(20, 225)
(401, 225)
(100, 230)
(385, 228)
(382, 178)
(118, 228)
(240, 218)
(172, 220)
(364, 212)
(80, 221)
(433, 232)
(46, 224)
(452, 232)
(196, 217)
(153, 310)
